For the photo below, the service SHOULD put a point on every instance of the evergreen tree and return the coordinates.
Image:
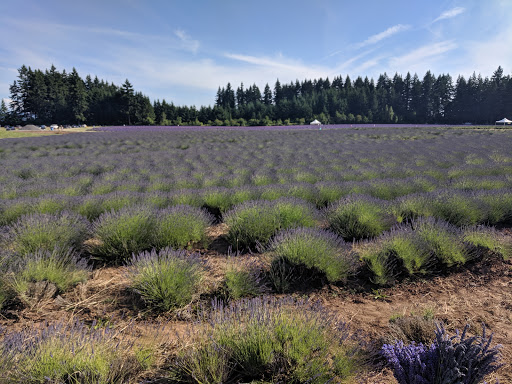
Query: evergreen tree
(278, 92)
(128, 100)
(267, 95)
(3, 113)
(76, 97)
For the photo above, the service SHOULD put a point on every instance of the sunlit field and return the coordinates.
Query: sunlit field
(267, 255)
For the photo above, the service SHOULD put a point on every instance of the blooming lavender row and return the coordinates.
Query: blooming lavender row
(384, 159)
(174, 128)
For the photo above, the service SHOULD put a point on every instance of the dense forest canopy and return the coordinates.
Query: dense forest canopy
(65, 98)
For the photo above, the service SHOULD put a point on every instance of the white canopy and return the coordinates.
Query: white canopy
(504, 121)
(315, 122)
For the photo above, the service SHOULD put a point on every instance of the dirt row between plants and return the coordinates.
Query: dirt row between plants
(476, 294)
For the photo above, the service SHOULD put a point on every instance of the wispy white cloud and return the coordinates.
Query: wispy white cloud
(422, 55)
(485, 56)
(279, 62)
(449, 14)
(188, 43)
(384, 35)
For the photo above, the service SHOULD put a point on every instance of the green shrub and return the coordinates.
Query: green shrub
(63, 268)
(499, 207)
(392, 252)
(267, 340)
(255, 222)
(273, 192)
(63, 353)
(166, 279)
(51, 205)
(459, 209)
(416, 248)
(251, 223)
(303, 191)
(243, 194)
(187, 197)
(181, 226)
(10, 211)
(411, 207)
(329, 193)
(358, 217)
(294, 213)
(6, 289)
(118, 200)
(488, 240)
(90, 207)
(119, 234)
(217, 199)
(443, 241)
(315, 249)
(41, 231)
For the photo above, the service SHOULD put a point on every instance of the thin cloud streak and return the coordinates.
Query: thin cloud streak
(451, 13)
(384, 35)
(188, 42)
(421, 54)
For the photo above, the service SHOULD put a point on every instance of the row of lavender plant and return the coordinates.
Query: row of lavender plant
(46, 247)
(145, 161)
(344, 205)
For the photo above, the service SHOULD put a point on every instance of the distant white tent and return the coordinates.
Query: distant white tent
(503, 121)
(315, 122)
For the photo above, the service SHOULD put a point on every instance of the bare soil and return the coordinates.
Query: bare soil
(476, 294)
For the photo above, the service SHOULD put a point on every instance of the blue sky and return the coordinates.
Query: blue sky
(182, 51)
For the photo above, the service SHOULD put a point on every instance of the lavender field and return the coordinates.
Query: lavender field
(92, 173)
(210, 225)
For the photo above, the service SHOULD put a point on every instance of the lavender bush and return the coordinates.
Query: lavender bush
(181, 226)
(243, 278)
(419, 247)
(35, 232)
(358, 217)
(255, 222)
(74, 353)
(268, 340)
(457, 359)
(63, 268)
(315, 249)
(121, 233)
(166, 279)
(463, 176)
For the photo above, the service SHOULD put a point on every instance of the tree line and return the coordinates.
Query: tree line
(54, 96)
(65, 98)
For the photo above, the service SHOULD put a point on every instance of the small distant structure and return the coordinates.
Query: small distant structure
(503, 121)
(315, 122)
